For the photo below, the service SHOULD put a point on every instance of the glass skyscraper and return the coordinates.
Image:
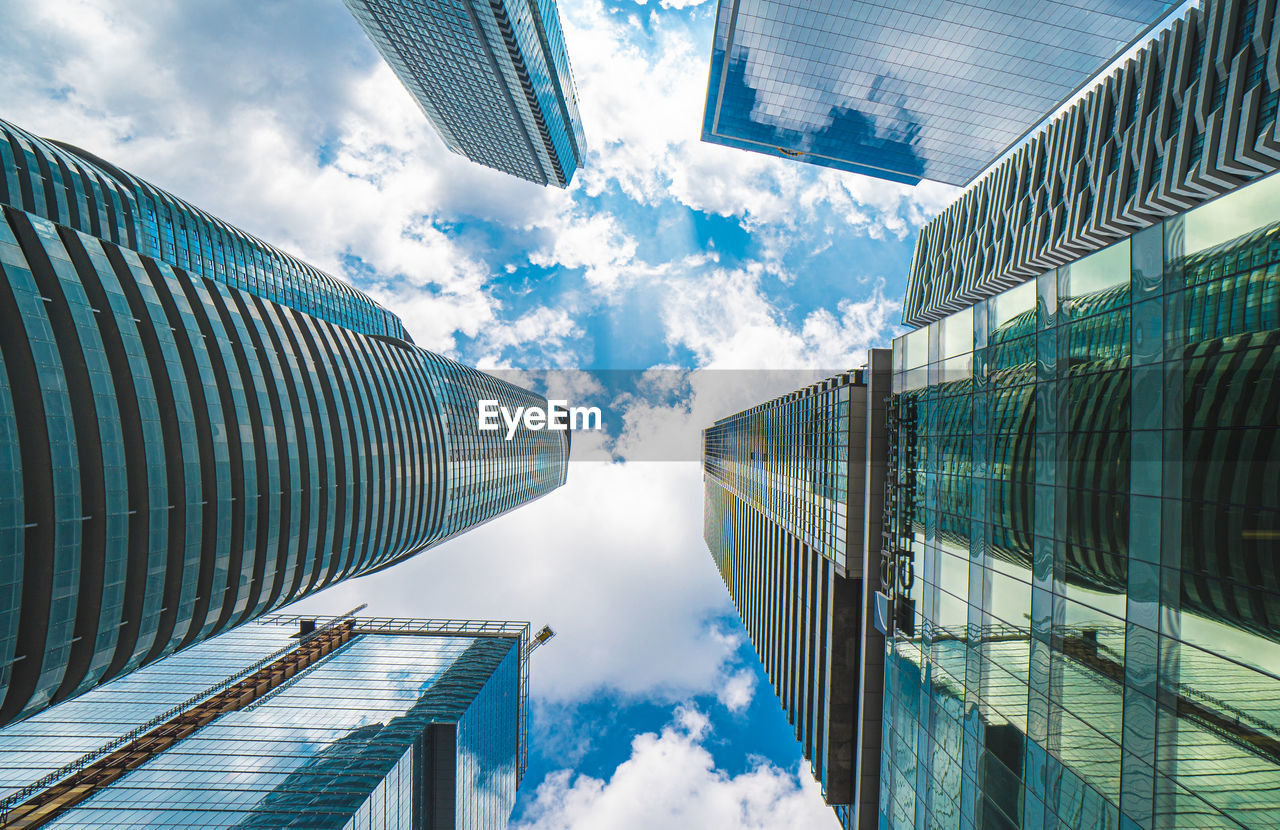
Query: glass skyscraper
(901, 89)
(197, 428)
(493, 78)
(1084, 498)
(348, 723)
(793, 494)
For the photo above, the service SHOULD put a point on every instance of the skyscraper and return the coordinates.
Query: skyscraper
(492, 77)
(793, 499)
(1085, 510)
(196, 428)
(904, 90)
(344, 722)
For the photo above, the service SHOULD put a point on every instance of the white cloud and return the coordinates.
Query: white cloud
(292, 129)
(671, 781)
(727, 321)
(613, 561)
(643, 91)
(596, 242)
(675, 4)
(545, 328)
(738, 689)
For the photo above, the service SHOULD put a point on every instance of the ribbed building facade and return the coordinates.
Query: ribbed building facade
(790, 498)
(196, 428)
(1192, 116)
(1084, 512)
(492, 77)
(349, 723)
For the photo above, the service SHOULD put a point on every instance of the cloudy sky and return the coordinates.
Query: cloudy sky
(665, 254)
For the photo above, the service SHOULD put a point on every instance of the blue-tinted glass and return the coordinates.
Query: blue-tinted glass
(339, 744)
(492, 78)
(903, 90)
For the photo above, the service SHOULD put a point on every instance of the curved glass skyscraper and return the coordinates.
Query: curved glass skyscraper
(196, 428)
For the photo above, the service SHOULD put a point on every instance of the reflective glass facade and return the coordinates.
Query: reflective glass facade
(904, 90)
(789, 459)
(493, 78)
(181, 454)
(76, 189)
(789, 500)
(1083, 543)
(409, 725)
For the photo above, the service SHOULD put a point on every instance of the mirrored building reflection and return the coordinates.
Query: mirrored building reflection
(1081, 555)
(349, 723)
(493, 78)
(904, 90)
(197, 428)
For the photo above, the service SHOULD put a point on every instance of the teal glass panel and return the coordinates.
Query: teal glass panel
(1127, 458)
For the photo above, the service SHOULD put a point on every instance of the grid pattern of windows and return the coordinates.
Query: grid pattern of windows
(789, 459)
(180, 455)
(486, 776)
(784, 504)
(899, 89)
(789, 598)
(489, 474)
(390, 805)
(492, 77)
(70, 187)
(1095, 622)
(356, 740)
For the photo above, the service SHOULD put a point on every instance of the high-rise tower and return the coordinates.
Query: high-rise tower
(346, 722)
(492, 76)
(793, 504)
(196, 428)
(1085, 517)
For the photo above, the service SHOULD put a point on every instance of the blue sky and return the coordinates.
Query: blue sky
(278, 115)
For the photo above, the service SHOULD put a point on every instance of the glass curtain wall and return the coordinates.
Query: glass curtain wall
(1096, 487)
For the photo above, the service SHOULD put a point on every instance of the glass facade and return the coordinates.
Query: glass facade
(406, 725)
(493, 78)
(181, 453)
(78, 190)
(904, 90)
(786, 512)
(789, 459)
(1087, 517)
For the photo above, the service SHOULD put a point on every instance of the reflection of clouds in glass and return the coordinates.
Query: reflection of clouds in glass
(932, 89)
(133, 700)
(270, 756)
(489, 792)
(488, 733)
